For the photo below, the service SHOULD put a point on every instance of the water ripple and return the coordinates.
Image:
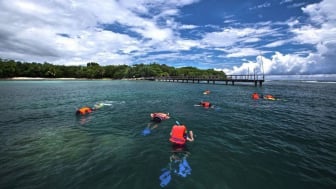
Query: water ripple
(288, 143)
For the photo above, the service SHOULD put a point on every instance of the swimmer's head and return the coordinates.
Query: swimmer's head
(157, 119)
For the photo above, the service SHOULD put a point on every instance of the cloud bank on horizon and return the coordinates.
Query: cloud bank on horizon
(286, 36)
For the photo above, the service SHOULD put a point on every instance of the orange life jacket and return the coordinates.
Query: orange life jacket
(84, 110)
(178, 134)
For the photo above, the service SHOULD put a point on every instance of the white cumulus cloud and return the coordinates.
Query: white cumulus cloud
(320, 32)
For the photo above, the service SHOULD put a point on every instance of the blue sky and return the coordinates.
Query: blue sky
(285, 36)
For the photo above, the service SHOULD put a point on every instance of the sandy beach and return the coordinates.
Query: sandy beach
(43, 78)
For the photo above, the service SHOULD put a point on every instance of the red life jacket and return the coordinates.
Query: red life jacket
(206, 104)
(178, 134)
(255, 96)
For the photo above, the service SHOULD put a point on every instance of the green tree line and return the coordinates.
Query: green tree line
(92, 70)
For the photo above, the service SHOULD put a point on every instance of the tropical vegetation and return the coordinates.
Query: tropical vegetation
(92, 70)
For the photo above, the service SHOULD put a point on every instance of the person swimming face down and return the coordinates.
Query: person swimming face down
(205, 104)
(158, 116)
(84, 110)
(179, 135)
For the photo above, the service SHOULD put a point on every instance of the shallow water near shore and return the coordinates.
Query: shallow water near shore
(242, 143)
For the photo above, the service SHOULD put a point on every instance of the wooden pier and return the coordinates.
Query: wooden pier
(213, 79)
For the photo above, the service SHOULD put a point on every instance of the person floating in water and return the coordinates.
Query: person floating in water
(255, 96)
(205, 104)
(178, 160)
(156, 118)
(179, 135)
(269, 97)
(84, 110)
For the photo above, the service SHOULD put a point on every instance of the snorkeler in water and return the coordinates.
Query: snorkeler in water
(159, 116)
(205, 104)
(84, 110)
(156, 118)
(179, 135)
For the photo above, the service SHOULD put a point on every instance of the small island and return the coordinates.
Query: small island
(15, 69)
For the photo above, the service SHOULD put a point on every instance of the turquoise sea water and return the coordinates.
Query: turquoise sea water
(287, 143)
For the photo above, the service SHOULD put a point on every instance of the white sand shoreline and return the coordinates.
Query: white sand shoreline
(39, 78)
(48, 79)
(64, 79)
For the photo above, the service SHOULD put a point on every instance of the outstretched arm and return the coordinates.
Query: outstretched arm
(191, 138)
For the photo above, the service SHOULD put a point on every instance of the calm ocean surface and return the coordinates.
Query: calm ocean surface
(287, 143)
